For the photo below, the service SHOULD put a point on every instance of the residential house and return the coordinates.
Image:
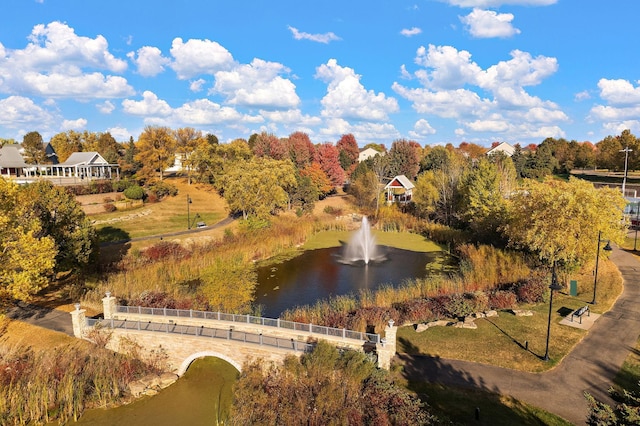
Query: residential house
(11, 162)
(503, 147)
(367, 153)
(399, 190)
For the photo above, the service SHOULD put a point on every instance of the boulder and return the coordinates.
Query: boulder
(136, 388)
(167, 379)
(522, 312)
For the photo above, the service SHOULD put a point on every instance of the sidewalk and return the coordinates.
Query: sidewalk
(590, 367)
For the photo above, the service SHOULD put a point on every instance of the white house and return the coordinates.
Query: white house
(11, 161)
(503, 147)
(399, 190)
(367, 153)
(90, 165)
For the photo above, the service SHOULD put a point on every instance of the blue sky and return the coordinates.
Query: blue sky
(434, 71)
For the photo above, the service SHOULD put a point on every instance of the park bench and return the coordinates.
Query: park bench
(580, 312)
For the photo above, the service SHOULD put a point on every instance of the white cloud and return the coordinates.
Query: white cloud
(618, 92)
(258, 84)
(521, 70)
(497, 3)
(364, 132)
(410, 32)
(203, 111)
(446, 67)
(78, 124)
(196, 85)
(291, 117)
(581, 96)
(150, 105)
(423, 128)
(448, 104)
(488, 24)
(347, 98)
(149, 61)
(120, 134)
(106, 107)
(320, 38)
(57, 63)
(19, 111)
(196, 57)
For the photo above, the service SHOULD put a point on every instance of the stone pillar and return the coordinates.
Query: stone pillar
(386, 349)
(79, 321)
(109, 305)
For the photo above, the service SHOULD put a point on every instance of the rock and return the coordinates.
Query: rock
(491, 313)
(136, 388)
(522, 312)
(150, 392)
(421, 327)
(167, 379)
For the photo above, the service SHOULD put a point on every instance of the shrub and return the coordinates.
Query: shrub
(107, 200)
(162, 189)
(462, 305)
(374, 319)
(164, 250)
(134, 192)
(532, 290)
(109, 208)
(152, 198)
(503, 299)
(412, 311)
(333, 210)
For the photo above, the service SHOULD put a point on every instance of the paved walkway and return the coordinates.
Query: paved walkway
(590, 367)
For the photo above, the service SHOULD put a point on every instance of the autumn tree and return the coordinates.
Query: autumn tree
(258, 187)
(128, 164)
(404, 158)
(156, 149)
(66, 143)
(329, 386)
(27, 254)
(300, 149)
(60, 217)
(328, 156)
(33, 148)
(209, 161)
(365, 189)
(560, 221)
(187, 141)
(268, 145)
(318, 179)
(348, 151)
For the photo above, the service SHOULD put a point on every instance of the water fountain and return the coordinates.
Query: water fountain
(362, 246)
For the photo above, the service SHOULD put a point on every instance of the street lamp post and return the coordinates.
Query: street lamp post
(188, 213)
(607, 247)
(626, 151)
(554, 286)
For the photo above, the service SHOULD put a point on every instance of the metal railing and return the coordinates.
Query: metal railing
(210, 332)
(249, 319)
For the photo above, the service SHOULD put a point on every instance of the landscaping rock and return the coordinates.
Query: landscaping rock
(167, 379)
(137, 389)
(522, 312)
(491, 313)
(421, 327)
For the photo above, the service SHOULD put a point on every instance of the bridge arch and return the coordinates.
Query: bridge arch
(187, 362)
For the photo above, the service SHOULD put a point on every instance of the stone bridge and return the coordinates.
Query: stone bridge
(186, 335)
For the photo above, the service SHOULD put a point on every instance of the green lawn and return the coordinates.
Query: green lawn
(401, 240)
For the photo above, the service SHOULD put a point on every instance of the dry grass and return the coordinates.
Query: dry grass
(170, 215)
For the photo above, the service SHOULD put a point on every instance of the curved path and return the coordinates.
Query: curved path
(590, 367)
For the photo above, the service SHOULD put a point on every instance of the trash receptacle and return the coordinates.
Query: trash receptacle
(573, 288)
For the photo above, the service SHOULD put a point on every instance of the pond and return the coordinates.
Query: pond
(202, 396)
(318, 274)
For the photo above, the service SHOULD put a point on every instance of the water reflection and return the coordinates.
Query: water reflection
(318, 274)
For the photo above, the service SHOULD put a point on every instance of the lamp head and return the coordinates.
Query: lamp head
(607, 247)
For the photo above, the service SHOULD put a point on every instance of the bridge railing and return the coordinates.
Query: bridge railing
(249, 319)
(214, 333)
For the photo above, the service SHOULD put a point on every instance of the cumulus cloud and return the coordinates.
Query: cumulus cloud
(149, 61)
(423, 128)
(334, 128)
(106, 107)
(203, 111)
(58, 63)
(410, 32)
(325, 38)
(258, 84)
(149, 105)
(78, 124)
(451, 80)
(621, 105)
(347, 98)
(18, 111)
(196, 85)
(489, 24)
(120, 134)
(196, 57)
(618, 92)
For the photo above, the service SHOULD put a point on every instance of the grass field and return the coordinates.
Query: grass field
(169, 215)
(501, 340)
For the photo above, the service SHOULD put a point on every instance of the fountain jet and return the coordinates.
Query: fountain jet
(362, 246)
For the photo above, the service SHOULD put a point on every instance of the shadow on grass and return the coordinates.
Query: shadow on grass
(458, 398)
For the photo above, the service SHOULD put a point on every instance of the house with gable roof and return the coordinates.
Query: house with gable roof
(11, 162)
(399, 190)
(503, 147)
(89, 165)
